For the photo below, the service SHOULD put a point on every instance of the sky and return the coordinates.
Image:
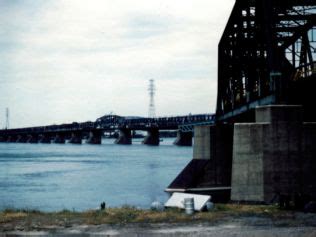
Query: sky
(69, 60)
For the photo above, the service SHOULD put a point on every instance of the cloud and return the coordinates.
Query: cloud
(72, 60)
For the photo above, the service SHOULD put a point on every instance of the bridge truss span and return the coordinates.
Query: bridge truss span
(93, 131)
(267, 45)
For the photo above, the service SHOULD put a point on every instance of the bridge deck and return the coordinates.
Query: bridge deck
(113, 122)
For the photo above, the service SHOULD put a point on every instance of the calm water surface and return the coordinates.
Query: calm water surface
(64, 176)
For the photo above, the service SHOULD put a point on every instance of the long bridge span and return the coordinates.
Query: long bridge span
(93, 131)
(260, 144)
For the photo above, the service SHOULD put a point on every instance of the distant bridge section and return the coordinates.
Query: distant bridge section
(93, 131)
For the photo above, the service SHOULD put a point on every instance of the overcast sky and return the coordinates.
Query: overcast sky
(70, 60)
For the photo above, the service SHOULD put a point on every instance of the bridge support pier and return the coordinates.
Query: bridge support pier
(44, 138)
(274, 156)
(210, 168)
(76, 138)
(152, 137)
(95, 137)
(183, 138)
(125, 137)
(32, 138)
(59, 138)
(10, 139)
(21, 139)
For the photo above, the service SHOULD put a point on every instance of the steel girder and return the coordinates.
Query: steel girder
(265, 45)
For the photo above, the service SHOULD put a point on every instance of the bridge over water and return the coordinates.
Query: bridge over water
(93, 131)
(260, 144)
(267, 55)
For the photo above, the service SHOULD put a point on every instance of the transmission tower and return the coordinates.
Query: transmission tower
(7, 114)
(151, 89)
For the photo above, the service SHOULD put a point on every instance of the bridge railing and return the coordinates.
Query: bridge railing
(162, 121)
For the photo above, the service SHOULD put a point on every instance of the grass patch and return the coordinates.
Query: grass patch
(33, 219)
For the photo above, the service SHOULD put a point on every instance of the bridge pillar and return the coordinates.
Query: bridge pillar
(274, 157)
(22, 139)
(76, 138)
(125, 137)
(7, 138)
(183, 138)
(210, 168)
(32, 138)
(95, 137)
(10, 139)
(59, 138)
(215, 144)
(152, 137)
(44, 138)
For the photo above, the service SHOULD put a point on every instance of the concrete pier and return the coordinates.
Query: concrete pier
(125, 137)
(21, 139)
(76, 138)
(217, 172)
(44, 138)
(11, 139)
(183, 138)
(210, 170)
(95, 137)
(202, 142)
(309, 163)
(273, 156)
(32, 138)
(152, 137)
(59, 138)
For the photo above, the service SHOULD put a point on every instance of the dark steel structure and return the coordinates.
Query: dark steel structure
(267, 55)
(110, 123)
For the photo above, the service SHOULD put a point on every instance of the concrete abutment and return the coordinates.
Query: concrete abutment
(209, 172)
(272, 157)
(257, 162)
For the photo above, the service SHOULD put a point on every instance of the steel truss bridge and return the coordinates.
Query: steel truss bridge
(267, 55)
(106, 123)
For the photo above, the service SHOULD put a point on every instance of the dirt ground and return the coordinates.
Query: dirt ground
(233, 229)
(225, 221)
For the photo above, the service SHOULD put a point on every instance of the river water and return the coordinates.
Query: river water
(51, 177)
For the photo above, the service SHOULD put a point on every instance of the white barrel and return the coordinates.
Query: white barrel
(189, 206)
